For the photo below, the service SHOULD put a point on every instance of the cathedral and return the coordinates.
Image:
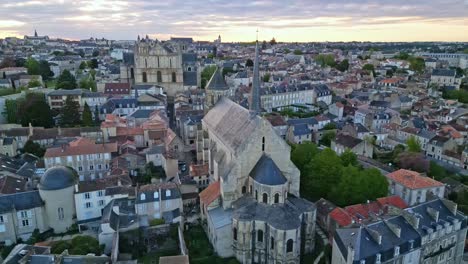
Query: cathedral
(166, 64)
(252, 209)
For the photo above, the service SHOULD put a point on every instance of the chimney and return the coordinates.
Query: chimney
(30, 129)
(411, 218)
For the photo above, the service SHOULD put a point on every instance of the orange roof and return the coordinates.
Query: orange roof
(210, 194)
(394, 200)
(198, 169)
(412, 179)
(81, 146)
(341, 217)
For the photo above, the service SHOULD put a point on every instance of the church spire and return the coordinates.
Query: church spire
(35, 33)
(255, 97)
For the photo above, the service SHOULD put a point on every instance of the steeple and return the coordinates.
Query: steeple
(255, 96)
(35, 33)
(138, 38)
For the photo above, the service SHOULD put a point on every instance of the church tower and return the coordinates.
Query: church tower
(215, 89)
(255, 106)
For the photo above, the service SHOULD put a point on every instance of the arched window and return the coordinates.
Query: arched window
(250, 189)
(174, 79)
(170, 63)
(256, 195)
(159, 76)
(189, 69)
(265, 198)
(260, 235)
(289, 245)
(61, 214)
(145, 78)
(244, 189)
(158, 61)
(132, 73)
(277, 198)
(142, 197)
(234, 233)
(263, 143)
(146, 64)
(272, 243)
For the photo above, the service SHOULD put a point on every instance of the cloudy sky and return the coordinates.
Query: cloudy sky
(237, 20)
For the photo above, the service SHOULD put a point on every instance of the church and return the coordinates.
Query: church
(166, 64)
(252, 209)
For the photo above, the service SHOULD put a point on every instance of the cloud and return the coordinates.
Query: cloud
(238, 20)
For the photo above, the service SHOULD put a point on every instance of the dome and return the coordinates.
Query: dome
(56, 178)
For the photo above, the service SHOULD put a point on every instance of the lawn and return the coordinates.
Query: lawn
(200, 249)
(50, 84)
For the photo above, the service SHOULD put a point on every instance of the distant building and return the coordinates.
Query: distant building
(445, 77)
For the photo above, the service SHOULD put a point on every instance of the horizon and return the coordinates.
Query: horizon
(295, 21)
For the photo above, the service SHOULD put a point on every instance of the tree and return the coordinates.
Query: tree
(413, 144)
(266, 77)
(249, 63)
(33, 66)
(343, 65)
(417, 64)
(34, 83)
(325, 60)
(329, 126)
(70, 113)
(88, 83)
(321, 175)
(95, 53)
(87, 116)
(368, 67)
(35, 110)
(349, 158)
(44, 70)
(93, 63)
(66, 81)
(327, 137)
(412, 161)
(297, 52)
(83, 65)
(402, 56)
(206, 75)
(437, 171)
(79, 245)
(34, 148)
(11, 109)
(303, 153)
(286, 50)
(273, 41)
(96, 115)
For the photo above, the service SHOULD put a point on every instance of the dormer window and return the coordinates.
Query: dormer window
(142, 197)
(156, 195)
(377, 258)
(168, 193)
(397, 251)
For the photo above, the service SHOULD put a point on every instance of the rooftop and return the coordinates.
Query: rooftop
(412, 179)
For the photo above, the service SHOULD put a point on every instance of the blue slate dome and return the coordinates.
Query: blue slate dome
(56, 178)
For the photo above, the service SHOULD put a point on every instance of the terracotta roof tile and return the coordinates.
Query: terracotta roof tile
(198, 170)
(210, 194)
(341, 217)
(394, 200)
(412, 179)
(81, 146)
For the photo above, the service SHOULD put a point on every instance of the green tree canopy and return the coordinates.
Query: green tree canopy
(33, 66)
(206, 75)
(35, 110)
(249, 63)
(83, 65)
(70, 113)
(327, 138)
(321, 174)
(66, 81)
(266, 77)
(273, 41)
(417, 64)
(93, 63)
(87, 116)
(34, 83)
(79, 245)
(302, 154)
(34, 148)
(297, 52)
(349, 158)
(413, 144)
(325, 60)
(343, 65)
(368, 67)
(88, 83)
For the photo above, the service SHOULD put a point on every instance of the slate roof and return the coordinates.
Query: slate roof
(142, 113)
(347, 141)
(444, 72)
(301, 130)
(231, 123)
(190, 78)
(266, 172)
(20, 201)
(161, 188)
(189, 57)
(217, 81)
(309, 121)
(282, 216)
(56, 178)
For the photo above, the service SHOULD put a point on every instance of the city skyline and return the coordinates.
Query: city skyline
(299, 20)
